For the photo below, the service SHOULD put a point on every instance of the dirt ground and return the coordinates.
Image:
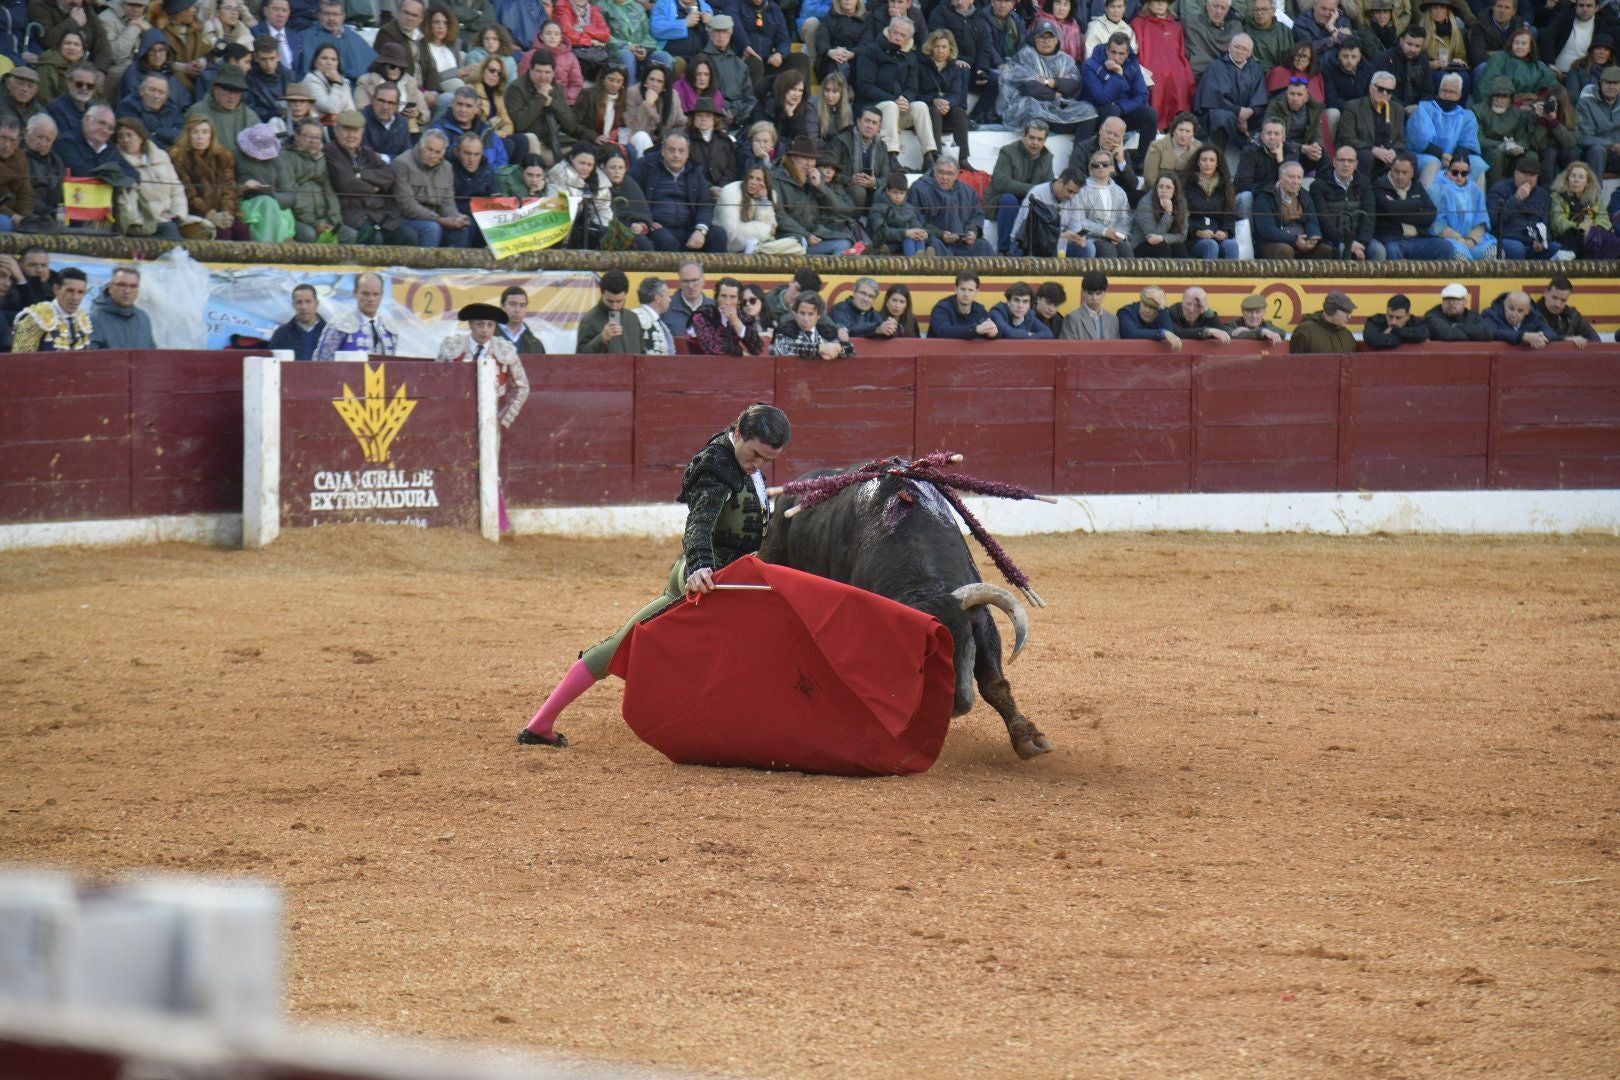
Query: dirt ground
(1319, 807)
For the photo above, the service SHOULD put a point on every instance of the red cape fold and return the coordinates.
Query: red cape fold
(812, 676)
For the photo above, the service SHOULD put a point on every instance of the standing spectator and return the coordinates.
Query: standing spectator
(1232, 94)
(1159, 225)
(1105, 211)
(1211, 206)
(654, 294)
(16, 189)
(425, 188)
(1051, 223)
(1453, 320)
(1019, 167)
(1192, 319)
(1598, 120)
(895, 226)
(858, 313)
(1327, 331)
(57, 325)
(1514, 320)
(1555, 308)
(950, 211)
(678, 195)
(1251, 325)
(885, 77)
(1091, 321)
(1147, 319)
(1164, 52)
(1374, 126)
(1014, 316)
(364, 328)
(961, 316)
(688, 300)
(1345, 208)
(801, 335)
(1521, 210)
(301, 333)
(117, 322)
(515, 327)
(364, 185)
(1404, 214)
(481, 340)
(723, 329)
(1395, 327)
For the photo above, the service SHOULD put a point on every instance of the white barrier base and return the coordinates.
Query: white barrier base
(221, 530)
(1327, 512)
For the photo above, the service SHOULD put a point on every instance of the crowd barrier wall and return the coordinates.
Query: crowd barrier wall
(147, 434)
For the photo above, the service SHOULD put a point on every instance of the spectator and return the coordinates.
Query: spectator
(895, 226)
(1172, 152)
(538, 107)
(1273, 41)
(786, 106)
(1522, 211)
(53, 67)
(1589, 71)
(1345, 79)
(1374, 126)
(631, 36)
(332, 91)
(861, 156)
(779, 301)
(1211, 206)
(1579, 220)
(1327, 331)
(1518, 64)
(746, 210)
(39, 281)
(405, 31)
(802, 337)
(753, 302)
(1091, 321)
(802, 205)
(898, 319)
(1114, 83)
(364, 328)
(713, 151)
(1395, 327)
(1566, 36)
(678, 195)
(758, 147)
(392, 69)
(841, 214)
(1147, 319)
(1492, 26)
(1285, 221)
(1303, 128)
(1252, 325)
(1513, 319)
(123, 24)
(1261, 163)
(267, 80)
(16, 189)
(688, 300)
(1442, 130)
(441, 31)
(231, 55)
(117, 322)
(1003, 30)
(354, 55)
(152, 58)
(961, 316)
(1598, 113)
(21, 99)
(207, 171)
(1105, 211)
(838, 36)
(514, 325)
(1345, 208)
(723, 329)
(1020, 166)
(68, 108)
(1555, 309)
(1460, 215)
(942, 84)
(424, 186)
(364, 185)
(1410, 68)
(1049, 301)
(1040, 82)
(1015, 318)
(731, 75)
(1105, 25)
(885, 77)
(188, 48)
(91, 148)
(305, 188)
(1208, 28)
(699, 82)
(1301, 63)
(1051, 223)
(1163, 51)
(654, 294)
(1324, 27)
(481, 340)
(858, 314)
(301, 333)
(1072, 33)
(1379, 32)
(1193, 319)
(629, 204)
(223, 106)
(289, 42)
(950, 211)
(1232, 94)
(156, 204)
(1159, 225)
(1504, 131)
(46, 170)
(1452, 320)
(1404, 214)
(654, 109)
(463, 119)
(57, 325)
(150, 104)
(602, 108)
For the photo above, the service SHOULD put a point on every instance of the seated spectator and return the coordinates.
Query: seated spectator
(60, 324)
(898, 319)
(392, 68)
(605, 328)
(188, 48)
(1345, 208)
(1302, 66)
(895, 226)
(1505, 134)
(1114, 83)
(156, 205)
(1395, 327)
(68, 108)
(1522, 210)
(1447, 39)
(297, 105)
(1172, 152)
(387, 134)
(654, 109)
(961, 316)
(1002, 29)
(731, 75)
(118, 321)
(678, 195)
(1192, 318)
(629, 203)
(1105, 211)
(1489, 33)
(46, 170)
(275, 24)
(331, 89)
(753, 302)
(1460, 216)
(746, 210)
(267, 80)
(1251, 325)
(354, 55)
(1041, 83)
(1580, 222)
(92, 148)
(858, 314)
(1374, 126)
(21, 96)
(526, 179)
(301, 333)
(586, 31)
(714, 152)
(1327, 331)
(496, 42)
(580, 175)
(688, 300)
(1303, 126)
(1260, 163)
(1162, 49)
(1019, 167)
(54, 64)
(16, 190)
(306, 188)
(1442, 130)
(1519, 65)
(123, 24)
(1091, 321)
(1285, 221)
(259, 170)
(1073, 34)
(839, 211)
(862, 158)
(364, 184)
(1409, 66)
(830, 113)
(786, 107)
(1589, 70)
(601, 110)
(1273, 39)
(1404, 214)
(1015, 317)
(631, 36)
(1345, 79)
(539, 110)
(1211, 206)
(426, 192)
(950, 212)
(654, 294)
(463, 119)
(1147, 319)
(1051, 222)
(473, 178)
(223, 107)
(699, 82)
(550, 43)
(1598, 123)
(723, 329)
(1515, 320)
(1209, 26)
(1159, 225)
(837, 38)
(802, 337)
(1567, 321)
(1232, 95)
(885, 77)
(441, 36)
(942, 83)
(161, 117)
(1104, 25)
(1453, 320)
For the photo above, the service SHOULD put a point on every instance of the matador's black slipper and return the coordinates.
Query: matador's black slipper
(529, 738)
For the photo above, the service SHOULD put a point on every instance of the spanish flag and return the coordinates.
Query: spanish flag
(87, 200)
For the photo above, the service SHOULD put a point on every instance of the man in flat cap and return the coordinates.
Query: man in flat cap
(1327, 331)
(1147, 319)
(224, 108)
(1598, 121)
(364, 183)
(1252, 324)
(21, 96)
(480, 340)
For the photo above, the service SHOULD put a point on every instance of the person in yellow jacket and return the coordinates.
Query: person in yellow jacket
(59, 325)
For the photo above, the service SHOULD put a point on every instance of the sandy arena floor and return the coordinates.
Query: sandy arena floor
(1319, 808)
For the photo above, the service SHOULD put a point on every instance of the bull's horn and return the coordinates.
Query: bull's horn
(980, 592)
(773, 492)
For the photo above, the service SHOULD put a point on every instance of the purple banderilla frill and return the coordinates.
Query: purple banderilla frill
(813, 491)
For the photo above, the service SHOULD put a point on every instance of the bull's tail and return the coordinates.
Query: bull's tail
(979, 592)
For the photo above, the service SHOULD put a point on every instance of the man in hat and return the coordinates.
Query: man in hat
(224, 108)
(1395, 327)
(301, 333)
(425, 188)
(21, 97)
(387, 133)
(57, 325)
(515, 326)
(364, 184)
(730, 71)
(1452, 319)
(538, 106)
(1147, 319)
(1251, 325)
(228, 54)
(481, 340)
(1521, 210)
(354, 55)
(155, 109)
(950, 211)
(1091, 321)
(1598, 122)
(1504, 131)
(267, 78)
(289, 42)
(188, 45)
(1562, 316)
(678, 197)
(364, 327)
(1327, 331)
(885, 77)
(801, 204)
(1374, 126)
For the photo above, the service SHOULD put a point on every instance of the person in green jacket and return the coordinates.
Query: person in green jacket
(1327, 331)
(605, 328)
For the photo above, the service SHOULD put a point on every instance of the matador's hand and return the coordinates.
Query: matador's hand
(700, 580)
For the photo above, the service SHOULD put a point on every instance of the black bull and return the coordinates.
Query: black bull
(902, 540)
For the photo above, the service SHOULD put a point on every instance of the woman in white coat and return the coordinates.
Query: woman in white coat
(747, 211)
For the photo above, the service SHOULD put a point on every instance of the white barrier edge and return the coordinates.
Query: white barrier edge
(220, 530)
(261, 450)
(489, 452)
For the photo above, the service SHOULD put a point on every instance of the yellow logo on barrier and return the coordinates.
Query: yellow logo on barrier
(375, 421)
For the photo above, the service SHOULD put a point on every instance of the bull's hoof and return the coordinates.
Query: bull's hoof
(1027, 740)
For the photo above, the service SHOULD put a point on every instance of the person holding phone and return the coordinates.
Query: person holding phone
(604, 329)
(1285, 221)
